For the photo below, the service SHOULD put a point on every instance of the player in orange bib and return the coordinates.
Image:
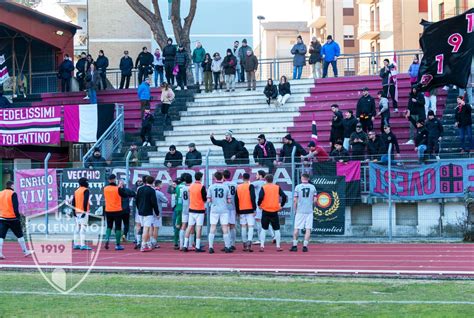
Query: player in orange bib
(80, 202)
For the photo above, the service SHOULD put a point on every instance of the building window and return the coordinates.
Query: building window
(348, 12)
(348, 32)
(422, 5)
(349, 43)
(348, 4)
(441, 11)
(406, 214)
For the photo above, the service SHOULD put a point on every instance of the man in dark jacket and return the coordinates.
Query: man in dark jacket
(229, 64)
(285, 153)
(230, 147)
(375, 147)
(243, 155)
(65, 73)
(182, 60)
(421, 138)
(144, 63)
(126, 66)
(315, 57)
(193, 157)
(358, 142)
(337, 129)
(388, 137)
(169, 56)
(251, 66)
(264, 153)
(435, 132)
(147, 125)
(173, 158)
(241, 55)
(126, 211)
(102, 63)
(365, 111)
(464, 124)
(147, 206)
(339, 153)
(416, 111)
(4, 102)
(349, 123)
(81, 67)
(96, 161)
(388, 83)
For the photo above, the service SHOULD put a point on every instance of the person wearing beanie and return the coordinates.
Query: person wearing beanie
(264, 153)
(144, 64)
(287, 149)
(229, 65)
(299, 57)
(339, 153)
(242, 54)
(329, 53)
(464, 124)
(316, 153)
(169, 56)
(182, 61)
(96, 160)
(231, 147)
(358, 142)
(337, 128)
(173, 158)
(435, 133)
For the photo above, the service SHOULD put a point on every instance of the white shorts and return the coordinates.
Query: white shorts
(247, 219)
(138, 218)
(196, 219)
(303, 221)
(185, 217)
(232, 217)
(215, 218)
(258, 216)
(146, 221)
(82, 220)
(157, 221)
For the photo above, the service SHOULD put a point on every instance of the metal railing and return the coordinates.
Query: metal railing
(111, 140)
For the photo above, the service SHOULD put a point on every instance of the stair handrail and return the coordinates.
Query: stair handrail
(111, 140)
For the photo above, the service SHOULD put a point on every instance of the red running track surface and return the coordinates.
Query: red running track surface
(380, 259)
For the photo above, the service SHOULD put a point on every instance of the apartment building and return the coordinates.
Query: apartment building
(443, 9)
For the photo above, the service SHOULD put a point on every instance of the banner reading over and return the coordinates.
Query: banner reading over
(30, 186)
(30, 126)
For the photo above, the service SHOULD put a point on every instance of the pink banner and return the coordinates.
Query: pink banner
(30, 126)
(30, 188)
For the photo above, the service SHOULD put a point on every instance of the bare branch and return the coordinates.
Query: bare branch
(176, 20)
(189, 19)
(154, 20)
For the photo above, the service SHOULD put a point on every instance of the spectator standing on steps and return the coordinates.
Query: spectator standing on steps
(242, 55)
(193, 157)
(464, 124)
(384, 111)
(330, 52)
(284, 91)
(375, 147)
(349, 123)
(144, 95)
(147, 125)
(96, 160)
(216, 67)
(167, 98)
(435, 132)
(126, 66)
(144, 64)
(158, 67)
(102, 63)
(251, 66)
(315, 57)
(416, 110)
(169, 56)
(198, 58)
(65, 73)
(470, 84)
(264, 153)
(413, 70)
(285, 153)
(337, 128)
(388, 83)
(358, 143)
(207, 70)
(173, 158)
(388, 137)
(182, 60)
(299, 57)
(93, 81)
(229, 66)
(230, 147)
(365, 111)
(81, 71)
(235, 51)
(270, 91)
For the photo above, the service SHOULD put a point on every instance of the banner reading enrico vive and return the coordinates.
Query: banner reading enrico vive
(329, 211)
(444, 179)
(30, 185)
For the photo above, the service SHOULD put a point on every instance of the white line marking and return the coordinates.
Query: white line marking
(250, 270)
(258, 299)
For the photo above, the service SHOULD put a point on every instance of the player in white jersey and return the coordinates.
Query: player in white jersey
(187, 179)
(157, 220)
(231, 206)
(304, 200)
(219, 197)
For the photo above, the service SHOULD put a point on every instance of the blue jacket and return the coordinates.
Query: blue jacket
(144, 92)
(413, 70)
(330, 50)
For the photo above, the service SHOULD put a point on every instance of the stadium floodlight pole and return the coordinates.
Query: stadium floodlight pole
(127, 168)
(260, 19)
(389, 191)
(293, 181)
(46, 160)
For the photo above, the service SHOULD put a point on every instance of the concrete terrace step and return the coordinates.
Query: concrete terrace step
(232, 101)
(235, 113)
(212, 97)
(219, 132)
(256, 125)
(276, 120)
(203, 138)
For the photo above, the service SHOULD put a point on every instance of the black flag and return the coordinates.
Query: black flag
(447, 52)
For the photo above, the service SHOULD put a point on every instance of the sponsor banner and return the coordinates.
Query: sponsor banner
(330, 209)
(30, 126)
(96, 177)
(282, 177)
(444, 179)
(30, 187)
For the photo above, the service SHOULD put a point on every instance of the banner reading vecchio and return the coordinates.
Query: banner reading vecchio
(30, 187)
(444, 179)
(30, 126)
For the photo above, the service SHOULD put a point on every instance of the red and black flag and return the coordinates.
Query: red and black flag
(447, 47)
(3, 69)
(314, 131)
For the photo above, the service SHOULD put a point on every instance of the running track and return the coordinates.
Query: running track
(434, 260)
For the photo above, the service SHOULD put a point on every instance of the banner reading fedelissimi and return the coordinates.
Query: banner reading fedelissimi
(444, 179)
